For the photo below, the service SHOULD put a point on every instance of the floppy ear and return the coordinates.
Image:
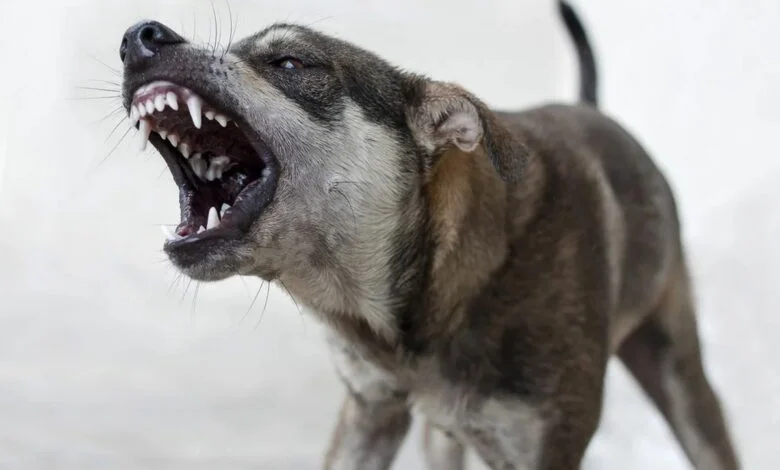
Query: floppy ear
(444, 116)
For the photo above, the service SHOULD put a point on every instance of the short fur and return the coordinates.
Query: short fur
(478, 266)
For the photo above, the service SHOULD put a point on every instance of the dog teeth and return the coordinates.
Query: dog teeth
(201, 229)
(144, 129)
(169, 235)
(134, 115)
(153, 98)
(199, 166)
(211, 174)
(185, 150)
(173, 100)
(159, 102)
(222, 160)
(223, 209)
(195, 105)
(213, 219)
(217, 167)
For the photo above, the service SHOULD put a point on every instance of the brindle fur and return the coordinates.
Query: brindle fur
(479, 266)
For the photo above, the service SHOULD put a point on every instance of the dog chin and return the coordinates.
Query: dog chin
(208, 266)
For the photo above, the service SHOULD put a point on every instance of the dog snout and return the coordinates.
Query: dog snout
(144, 40)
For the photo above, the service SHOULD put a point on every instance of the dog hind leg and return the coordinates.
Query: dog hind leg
(664, 355)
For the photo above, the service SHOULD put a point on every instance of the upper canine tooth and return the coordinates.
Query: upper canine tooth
(209, 114)
(134, 116)
(145, 128)
(159, 102)
(174, 139)
(195, 104)
(149, 106)
(173, 100)
(213, 219)
(222, 120)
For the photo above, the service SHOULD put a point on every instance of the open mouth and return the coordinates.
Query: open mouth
(225, 172)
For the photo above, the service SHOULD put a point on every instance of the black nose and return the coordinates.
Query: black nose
(145, 39)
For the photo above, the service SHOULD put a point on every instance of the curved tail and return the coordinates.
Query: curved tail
(587, 63)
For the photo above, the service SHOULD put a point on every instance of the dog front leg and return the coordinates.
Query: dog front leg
(374, 417)
(368, 434)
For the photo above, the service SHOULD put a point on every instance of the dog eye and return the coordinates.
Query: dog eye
(289, 63)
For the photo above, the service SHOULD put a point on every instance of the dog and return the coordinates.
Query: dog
(477, 266)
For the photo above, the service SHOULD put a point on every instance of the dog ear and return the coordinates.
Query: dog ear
(444, 116)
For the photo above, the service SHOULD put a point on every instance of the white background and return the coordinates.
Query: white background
(107, 361)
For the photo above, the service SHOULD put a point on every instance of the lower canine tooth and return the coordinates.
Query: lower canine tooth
(213, 219)
(169, 235)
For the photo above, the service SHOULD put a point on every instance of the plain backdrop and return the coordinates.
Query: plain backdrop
(109, 360)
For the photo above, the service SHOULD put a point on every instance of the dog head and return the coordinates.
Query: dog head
(304, 159)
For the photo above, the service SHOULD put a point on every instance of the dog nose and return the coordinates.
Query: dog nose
(145, 39)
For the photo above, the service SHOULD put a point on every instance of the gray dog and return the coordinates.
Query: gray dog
(478, 266)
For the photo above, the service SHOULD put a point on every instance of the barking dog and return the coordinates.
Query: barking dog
(478, 266)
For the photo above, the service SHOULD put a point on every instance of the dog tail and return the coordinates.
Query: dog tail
(587, 63)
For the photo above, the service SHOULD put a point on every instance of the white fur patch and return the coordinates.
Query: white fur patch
(443, 452)
(362, 377)
(362, 160)
(277, 32)
(518, 430)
